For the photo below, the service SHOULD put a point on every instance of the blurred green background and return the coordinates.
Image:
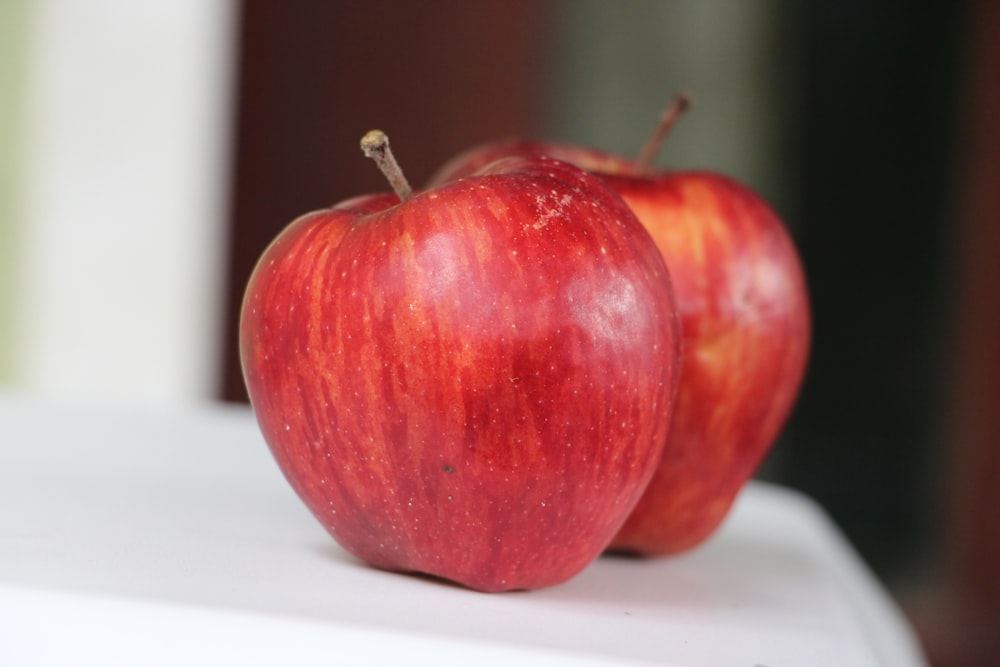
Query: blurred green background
(14, 31)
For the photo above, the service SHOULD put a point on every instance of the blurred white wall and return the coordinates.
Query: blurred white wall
(115, 245)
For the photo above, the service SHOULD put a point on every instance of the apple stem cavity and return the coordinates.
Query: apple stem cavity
(681, 103)
(375, 145)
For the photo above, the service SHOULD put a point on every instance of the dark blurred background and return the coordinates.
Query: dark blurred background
(872, 126)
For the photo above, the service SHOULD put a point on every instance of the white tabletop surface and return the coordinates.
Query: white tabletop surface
(132, 537)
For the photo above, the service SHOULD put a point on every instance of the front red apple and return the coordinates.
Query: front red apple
(746, 329)
(475, 383)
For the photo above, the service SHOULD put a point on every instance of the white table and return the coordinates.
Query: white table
(170, 538)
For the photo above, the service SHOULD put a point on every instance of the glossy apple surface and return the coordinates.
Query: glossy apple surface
(746, 328)
(475, 383)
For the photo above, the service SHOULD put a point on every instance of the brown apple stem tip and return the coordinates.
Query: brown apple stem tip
(375, 144)
(681, 103)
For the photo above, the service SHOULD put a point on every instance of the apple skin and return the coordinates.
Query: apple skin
(746, 324)
(476, 383)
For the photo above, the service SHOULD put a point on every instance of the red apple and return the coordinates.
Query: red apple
(746, 330)
(473, 382)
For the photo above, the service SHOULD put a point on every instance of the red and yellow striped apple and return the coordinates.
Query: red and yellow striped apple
(475, 381)
(746, 331)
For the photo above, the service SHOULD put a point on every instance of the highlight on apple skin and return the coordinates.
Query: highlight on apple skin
(746, 323)
(474, 382)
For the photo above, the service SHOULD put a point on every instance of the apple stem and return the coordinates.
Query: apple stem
(681, 103)
(375, 144)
